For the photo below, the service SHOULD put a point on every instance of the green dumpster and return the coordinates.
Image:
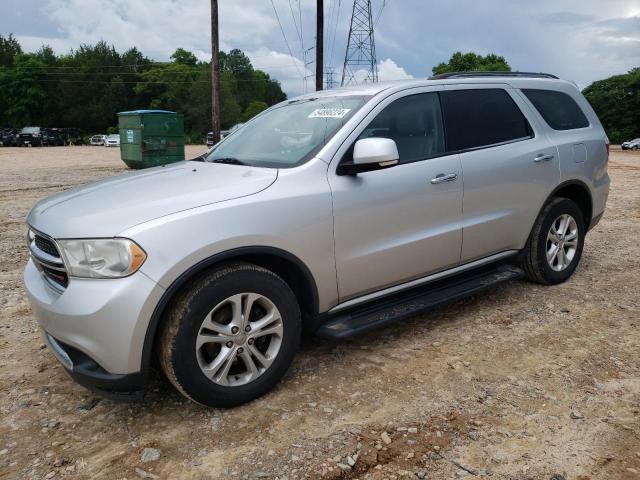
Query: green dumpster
(151, 137)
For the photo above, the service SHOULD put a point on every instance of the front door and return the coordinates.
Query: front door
(404, 222)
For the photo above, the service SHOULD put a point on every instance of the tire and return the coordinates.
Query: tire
(635, 147)
(217, 373)
(538, 268)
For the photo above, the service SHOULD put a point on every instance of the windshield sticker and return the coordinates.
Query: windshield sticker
(329, 113)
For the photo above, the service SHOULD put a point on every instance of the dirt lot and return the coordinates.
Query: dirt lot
(523, 382)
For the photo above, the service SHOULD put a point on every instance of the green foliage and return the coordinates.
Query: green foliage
(9, 49)
(88, 86)
(616, 100)
(471, 62)
(253, 109)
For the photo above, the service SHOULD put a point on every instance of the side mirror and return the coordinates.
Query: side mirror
(371, 154)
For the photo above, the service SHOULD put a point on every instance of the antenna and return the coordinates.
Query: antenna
(361, 48)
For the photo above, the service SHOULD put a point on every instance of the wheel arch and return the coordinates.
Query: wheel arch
(284, 264)
(578, 192)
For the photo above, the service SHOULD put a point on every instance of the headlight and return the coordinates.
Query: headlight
(102, 258)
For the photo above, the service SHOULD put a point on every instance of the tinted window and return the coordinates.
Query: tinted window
(558, 109)
(414, 123)
(477, 118)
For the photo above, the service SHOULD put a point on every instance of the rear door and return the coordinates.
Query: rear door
(401, 223)
(509, 165)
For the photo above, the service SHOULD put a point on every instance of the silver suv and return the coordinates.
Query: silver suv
(332, 213)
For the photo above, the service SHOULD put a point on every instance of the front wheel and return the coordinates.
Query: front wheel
(554, 248)
(230, 336)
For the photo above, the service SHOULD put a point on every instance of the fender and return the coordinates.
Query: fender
(578, 183)
(203, 265)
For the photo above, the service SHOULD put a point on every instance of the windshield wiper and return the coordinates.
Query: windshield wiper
(229, 161)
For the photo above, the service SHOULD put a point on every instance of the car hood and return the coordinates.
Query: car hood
(108, 207)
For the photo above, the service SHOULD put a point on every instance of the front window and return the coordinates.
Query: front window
(288, 135)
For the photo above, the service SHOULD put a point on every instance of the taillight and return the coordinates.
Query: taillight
(606, 146)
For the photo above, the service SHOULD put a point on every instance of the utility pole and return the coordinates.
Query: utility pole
(215, 74)
(319, 43)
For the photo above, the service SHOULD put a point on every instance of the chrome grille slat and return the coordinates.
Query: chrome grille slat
(47, 259)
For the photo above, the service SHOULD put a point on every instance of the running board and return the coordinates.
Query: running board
(406, 304)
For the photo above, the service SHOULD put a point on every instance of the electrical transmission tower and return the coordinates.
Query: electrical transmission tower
(361, 47)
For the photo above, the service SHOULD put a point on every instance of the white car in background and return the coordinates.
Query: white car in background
(98, 140)
(112, 140)
(631, 144)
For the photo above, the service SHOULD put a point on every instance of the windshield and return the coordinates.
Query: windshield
(288, 135)
(30, 130)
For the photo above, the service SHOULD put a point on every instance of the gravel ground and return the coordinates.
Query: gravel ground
(524, 382)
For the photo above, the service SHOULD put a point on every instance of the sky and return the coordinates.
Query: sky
(579, 40)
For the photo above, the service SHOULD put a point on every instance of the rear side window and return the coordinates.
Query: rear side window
(414, 123)
(558, 109)
(482, 117)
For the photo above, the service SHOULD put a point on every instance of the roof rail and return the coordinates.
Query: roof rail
(443, 76)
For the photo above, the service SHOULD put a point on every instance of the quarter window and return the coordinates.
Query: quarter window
(482, 117)
(414, 123)
(558, 109)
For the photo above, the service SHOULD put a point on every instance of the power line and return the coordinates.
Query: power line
(285, 37)
(335, 28)
(295, 24)
(384, 4)
(153, 82)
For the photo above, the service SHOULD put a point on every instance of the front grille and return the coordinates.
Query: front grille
(46, 245)
(47, 259)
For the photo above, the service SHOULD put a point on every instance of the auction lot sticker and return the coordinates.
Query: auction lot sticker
(329, 112)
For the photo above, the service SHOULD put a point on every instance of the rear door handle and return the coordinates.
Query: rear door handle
(543, 158)
(444, 177)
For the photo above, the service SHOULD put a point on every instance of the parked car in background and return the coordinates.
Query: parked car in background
(631, 144)
(8, 137)
(223, 134)
(98, 140)
(29, 136)
(112, 140)
(57, 137)
(46, 137)
(340, 212)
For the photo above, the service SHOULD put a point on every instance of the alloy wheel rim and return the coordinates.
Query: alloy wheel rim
(562, 242)
(239, 339)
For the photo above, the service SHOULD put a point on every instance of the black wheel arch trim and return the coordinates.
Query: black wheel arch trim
(569, 183)
(185, 276)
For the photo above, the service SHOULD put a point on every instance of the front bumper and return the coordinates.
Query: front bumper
(96, 328)
(86, 372)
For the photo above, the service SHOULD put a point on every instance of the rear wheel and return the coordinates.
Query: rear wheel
(230, 336)
(555, 245)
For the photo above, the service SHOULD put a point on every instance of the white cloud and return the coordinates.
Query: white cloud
(283, 67)
(389, 70)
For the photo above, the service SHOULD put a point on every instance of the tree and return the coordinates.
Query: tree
(184, 57)
(9, 49)
(88, 86)
(471, 62)
(253, 109)
(616, 100)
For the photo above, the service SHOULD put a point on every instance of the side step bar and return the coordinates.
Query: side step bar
(406, 304)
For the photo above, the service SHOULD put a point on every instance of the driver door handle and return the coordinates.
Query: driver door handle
(444, 177)
(543, 158)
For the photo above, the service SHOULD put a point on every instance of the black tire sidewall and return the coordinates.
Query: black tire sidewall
(565, 206)
(211, 292)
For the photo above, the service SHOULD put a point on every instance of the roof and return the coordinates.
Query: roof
(514, 79)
